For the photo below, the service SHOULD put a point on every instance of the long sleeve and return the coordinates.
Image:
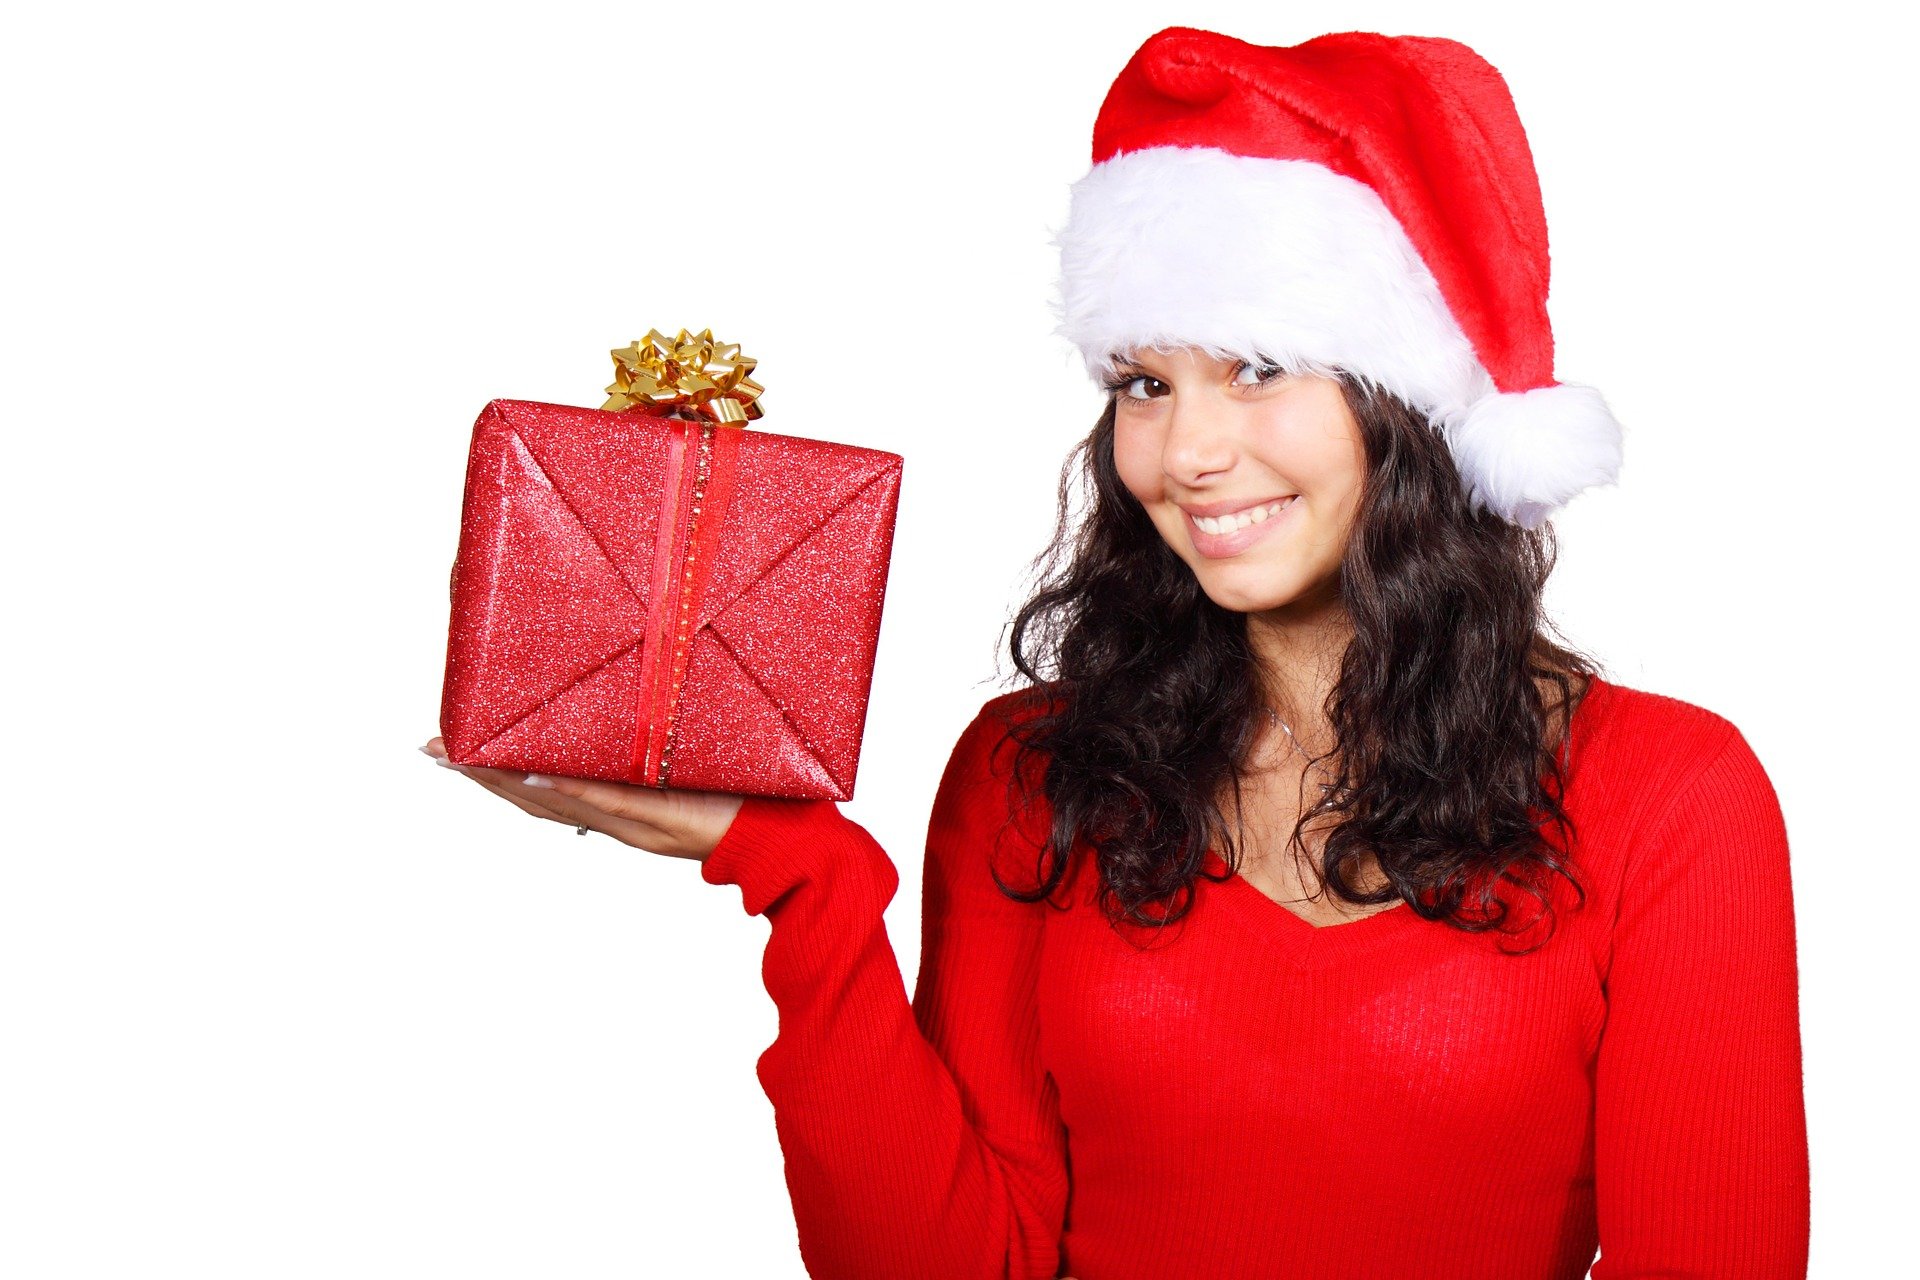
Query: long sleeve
(922, 1138)
(1700, 1157)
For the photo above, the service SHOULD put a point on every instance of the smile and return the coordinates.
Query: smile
(1220, 536)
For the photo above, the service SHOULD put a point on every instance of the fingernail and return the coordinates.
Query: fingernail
(535, 780)
(425, 752)
(445, 763)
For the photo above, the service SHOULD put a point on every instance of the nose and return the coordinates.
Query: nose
(1200, 441)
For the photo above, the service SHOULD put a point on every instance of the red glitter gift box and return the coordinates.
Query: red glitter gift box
(666, 601)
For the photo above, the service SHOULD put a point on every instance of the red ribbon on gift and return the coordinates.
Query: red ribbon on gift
(699, 484)
(673, 378)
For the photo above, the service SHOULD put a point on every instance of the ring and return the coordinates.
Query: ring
(580, 830)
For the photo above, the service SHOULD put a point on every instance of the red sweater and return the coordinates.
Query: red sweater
(1251, 1096)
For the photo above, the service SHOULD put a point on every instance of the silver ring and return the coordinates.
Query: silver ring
(580, 830)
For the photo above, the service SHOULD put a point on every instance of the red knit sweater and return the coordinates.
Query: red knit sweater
(1251, 1096)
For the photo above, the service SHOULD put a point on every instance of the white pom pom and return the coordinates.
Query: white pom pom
(1523, 454)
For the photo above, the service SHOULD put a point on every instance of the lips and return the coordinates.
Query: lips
(1231, 506)
(1233, 541)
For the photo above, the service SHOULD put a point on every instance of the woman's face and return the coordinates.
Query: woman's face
(1209, 446)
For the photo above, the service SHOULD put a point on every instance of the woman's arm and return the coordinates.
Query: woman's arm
(922, 1139)
(1700, 1120)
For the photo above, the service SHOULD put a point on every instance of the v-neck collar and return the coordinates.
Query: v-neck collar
(1307, 945)
(1312, 946)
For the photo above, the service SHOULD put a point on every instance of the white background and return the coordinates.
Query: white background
(281, 998)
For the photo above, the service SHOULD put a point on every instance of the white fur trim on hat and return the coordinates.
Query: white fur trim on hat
(1525, 453)
(1289, 263)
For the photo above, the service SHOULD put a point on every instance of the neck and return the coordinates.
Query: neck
(1298, 649)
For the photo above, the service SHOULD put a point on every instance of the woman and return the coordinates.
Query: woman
(1309, 911)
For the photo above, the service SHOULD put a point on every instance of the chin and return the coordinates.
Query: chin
(1280, 583)
(1247, 590)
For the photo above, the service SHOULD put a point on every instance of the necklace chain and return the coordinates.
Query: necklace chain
(1275, 717)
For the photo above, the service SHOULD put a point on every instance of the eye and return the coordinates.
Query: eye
(1118, 386)
(1265, 373)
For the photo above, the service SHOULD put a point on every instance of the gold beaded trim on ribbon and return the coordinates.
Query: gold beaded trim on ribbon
(680, 644)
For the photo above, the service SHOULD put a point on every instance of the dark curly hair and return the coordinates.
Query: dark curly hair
(1145, 696)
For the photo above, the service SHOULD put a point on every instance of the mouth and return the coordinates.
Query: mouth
(1217, 537)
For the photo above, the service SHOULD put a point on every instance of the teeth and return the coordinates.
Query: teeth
(1239, 520)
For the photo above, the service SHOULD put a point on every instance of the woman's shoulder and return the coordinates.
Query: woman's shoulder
(1694, 817)
(1643, 712)
(1018, 704)
(993, 731)
(995, 747)
(983, 811)
(988, 745)
(1655, 745)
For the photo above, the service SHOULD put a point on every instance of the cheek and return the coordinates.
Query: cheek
(1136, 456)
(1344, 469)
(1334, 486)
(1318, 449)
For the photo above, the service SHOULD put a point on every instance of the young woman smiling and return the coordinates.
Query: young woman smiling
(1308, 911)
(1253, 477)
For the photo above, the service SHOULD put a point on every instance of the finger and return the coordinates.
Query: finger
(520, 799)
(666, 820)
(648, 806)
(556, 807)
(510, 784)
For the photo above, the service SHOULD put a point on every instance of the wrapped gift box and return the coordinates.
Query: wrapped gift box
(666, 601)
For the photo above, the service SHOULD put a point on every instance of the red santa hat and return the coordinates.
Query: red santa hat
(1358, 201)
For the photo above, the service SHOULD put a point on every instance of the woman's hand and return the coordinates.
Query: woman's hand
(668, 821)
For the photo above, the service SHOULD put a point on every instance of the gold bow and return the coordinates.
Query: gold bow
(685, 375)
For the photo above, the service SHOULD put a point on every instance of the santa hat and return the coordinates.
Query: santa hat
(1358, 201)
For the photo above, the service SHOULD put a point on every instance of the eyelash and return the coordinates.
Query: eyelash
(1115, 386)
